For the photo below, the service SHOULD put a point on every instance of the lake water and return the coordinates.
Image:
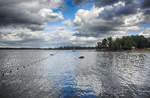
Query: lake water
(61, 74)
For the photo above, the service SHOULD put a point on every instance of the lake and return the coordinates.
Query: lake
(62, 74)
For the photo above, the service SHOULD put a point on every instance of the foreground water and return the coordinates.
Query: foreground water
(61, 74)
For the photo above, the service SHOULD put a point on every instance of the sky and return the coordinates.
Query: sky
(55, 23)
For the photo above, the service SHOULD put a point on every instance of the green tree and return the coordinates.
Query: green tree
(110, 42)
(104, 43)
(99, 45)
(125, 43)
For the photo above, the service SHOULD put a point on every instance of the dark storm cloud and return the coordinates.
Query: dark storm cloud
(77, 2)
(129, 8)
(22, 21)
(80, 2)
(101, 3)
(146, 4)
(25, 12)
(111, 16)
(12, 13)
(105, 2)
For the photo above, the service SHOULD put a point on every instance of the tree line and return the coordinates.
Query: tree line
(124, 43)
(73, 48)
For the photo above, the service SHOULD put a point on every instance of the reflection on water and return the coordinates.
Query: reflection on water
(121, 75)
(37, 74)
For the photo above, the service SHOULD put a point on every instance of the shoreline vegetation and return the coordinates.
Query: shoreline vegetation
(100, 50)
(137, 43)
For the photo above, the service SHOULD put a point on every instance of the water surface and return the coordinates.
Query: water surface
(61, 74)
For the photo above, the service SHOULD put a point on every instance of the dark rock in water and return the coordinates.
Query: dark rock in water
(10, 71)
(81, 57)
(51, 54)
(3, 74)
(23, 66)
(17, 68)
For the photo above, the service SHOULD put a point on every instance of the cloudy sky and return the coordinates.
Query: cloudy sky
(54, 23)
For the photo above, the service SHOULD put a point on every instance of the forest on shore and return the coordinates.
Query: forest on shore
(124, 43)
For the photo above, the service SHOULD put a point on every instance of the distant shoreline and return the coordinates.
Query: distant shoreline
(83, 48)
(46, 49)
(24, 49)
